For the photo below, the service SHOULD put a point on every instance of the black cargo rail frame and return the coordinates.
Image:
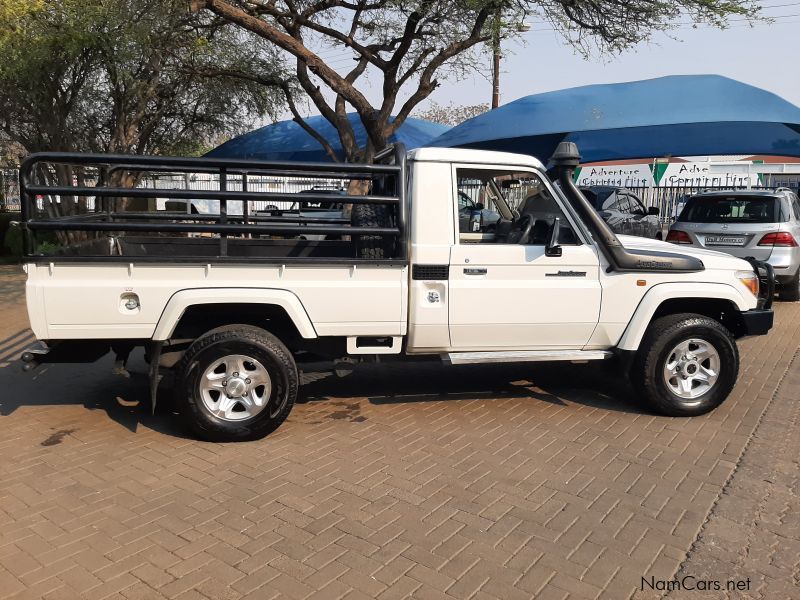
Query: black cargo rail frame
(391, 163)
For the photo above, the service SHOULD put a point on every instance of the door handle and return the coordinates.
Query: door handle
(474, 271)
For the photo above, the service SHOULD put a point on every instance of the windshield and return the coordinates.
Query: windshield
(731, 209)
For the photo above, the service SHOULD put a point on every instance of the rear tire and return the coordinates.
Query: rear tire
(236, 383)
(790, 291)
(687, 365)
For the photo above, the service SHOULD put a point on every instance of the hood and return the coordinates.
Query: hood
(711, 258)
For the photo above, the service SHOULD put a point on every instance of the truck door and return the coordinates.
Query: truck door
(507, 295)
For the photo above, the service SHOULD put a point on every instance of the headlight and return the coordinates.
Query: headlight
(750, 280)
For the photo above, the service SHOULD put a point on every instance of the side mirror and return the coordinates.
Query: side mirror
(654, 211)
(552, 248)
(605, 215)
(478, 206)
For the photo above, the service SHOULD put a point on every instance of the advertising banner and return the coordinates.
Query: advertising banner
(683, 174)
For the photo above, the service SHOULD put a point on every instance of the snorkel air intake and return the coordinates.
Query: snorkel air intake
(564, 161)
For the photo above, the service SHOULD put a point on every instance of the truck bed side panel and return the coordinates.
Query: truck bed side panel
(85, 300)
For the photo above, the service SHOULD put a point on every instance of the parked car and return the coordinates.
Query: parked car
(760, 224)
(319, 213)
(474, 217)
(679, 205)
(624, 211)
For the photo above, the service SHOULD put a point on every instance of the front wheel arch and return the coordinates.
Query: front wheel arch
(718, 301)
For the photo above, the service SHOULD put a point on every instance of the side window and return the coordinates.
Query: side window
(796, 207)
(501, 207)
(623, 203)
(637, 207)
(610, 202)
(619, 201)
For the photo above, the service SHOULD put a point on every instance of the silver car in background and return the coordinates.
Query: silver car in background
(760, 224)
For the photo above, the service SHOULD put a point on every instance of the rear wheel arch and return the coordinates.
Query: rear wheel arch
(186, 310)
(198, 319)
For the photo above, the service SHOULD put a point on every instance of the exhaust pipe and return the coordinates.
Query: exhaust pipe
(564, 160)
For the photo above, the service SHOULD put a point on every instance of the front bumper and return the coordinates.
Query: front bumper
(757, 321)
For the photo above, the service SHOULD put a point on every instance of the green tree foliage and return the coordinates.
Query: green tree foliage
(405, 48)
(451, 114)
(111, 75)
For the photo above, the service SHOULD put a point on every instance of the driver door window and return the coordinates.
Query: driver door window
(498, 207)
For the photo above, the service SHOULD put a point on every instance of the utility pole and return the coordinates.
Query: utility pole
(497, 55)
(496, 67)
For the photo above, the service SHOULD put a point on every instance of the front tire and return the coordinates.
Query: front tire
(236, 383)
(686, 365)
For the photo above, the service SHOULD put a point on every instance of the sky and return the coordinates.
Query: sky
(764, 56)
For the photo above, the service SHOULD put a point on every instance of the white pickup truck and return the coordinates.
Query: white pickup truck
(228, 303)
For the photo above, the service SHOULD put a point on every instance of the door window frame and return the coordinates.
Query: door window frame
(573, 220)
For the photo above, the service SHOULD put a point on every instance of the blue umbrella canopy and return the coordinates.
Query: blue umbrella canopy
(680, 115)
(286, 140)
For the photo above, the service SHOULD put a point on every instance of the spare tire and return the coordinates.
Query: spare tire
(372, 247)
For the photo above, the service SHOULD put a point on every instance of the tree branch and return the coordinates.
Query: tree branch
(294, 46)
(426, 82)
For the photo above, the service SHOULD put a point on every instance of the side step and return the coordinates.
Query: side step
(467, 358)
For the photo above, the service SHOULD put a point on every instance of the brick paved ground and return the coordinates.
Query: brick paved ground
(754, 529)
(468, 482)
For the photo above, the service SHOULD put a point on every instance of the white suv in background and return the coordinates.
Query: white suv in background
(760, 224)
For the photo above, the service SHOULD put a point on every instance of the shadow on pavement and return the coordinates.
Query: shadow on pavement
(125, 400)
(391, 383)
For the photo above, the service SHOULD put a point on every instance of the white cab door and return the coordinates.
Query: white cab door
(511, 296)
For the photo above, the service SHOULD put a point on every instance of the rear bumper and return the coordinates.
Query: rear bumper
(757, 321)
(784, 277)
(785, 261)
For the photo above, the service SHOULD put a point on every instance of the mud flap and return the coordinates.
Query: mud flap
(155, 376)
